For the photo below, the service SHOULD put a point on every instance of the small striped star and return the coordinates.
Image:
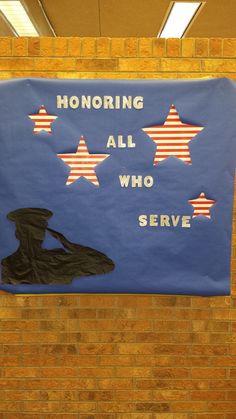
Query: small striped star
(202, 205)
(82, 163)
(42, 120)
(172, 138)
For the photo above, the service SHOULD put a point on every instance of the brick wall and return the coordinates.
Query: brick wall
(118, 356)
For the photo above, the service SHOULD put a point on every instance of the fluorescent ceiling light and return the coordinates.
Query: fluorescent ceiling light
(179, 18)
(16, 15)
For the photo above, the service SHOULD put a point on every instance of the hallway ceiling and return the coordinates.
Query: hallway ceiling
(124, 18)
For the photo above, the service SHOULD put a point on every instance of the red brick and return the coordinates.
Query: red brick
(74, 47)
(119, 360)
(103, 356)
(222, 384)
(152, 407)
(166, 384)
(5, 46)
(23, 372)
(33, 46)
(173, 47)
(117, 47)
(98, 349)
(231, 395)
(115, 384)
(19, 395)
(180, 64)
(135, 395)
(88, 47)
(117, 313)
(115, 407)
(170, 395)
(134, 416)
(138, 64)
(209, 349)
(208, 416)
(208, 395)
(131, 47)
(60, 46)
(115, 325)
(10, 406)
(188, 47)
(138, 301)
(24, 416)
(171, 301)
(58, 64)
(159, 47)
(145, 47)
(10, 337)
(215, 47)
(164, 337)
(10, 361)
(115, 337)
(97, 372)
(224, 361)
(189, 406)
(59, 372)
(46, 46)
(39, 313)
(165, 314)
(222, 406)
(208, 373)
(202, 47)
(102, 395)
(103, 47)
(229, 47)
(150, 349)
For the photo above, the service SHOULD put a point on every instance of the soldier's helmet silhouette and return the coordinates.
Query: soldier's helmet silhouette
(32, 263)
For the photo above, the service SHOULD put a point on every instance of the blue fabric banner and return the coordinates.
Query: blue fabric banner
(116, 186)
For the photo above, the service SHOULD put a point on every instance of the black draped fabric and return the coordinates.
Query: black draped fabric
(32, 264)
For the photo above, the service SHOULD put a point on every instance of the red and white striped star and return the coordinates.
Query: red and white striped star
(172, 138)
(82, 163)
(42, 120)
(202, 205)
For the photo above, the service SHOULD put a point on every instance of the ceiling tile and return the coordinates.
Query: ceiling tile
(5, 29)
(216, 19)
(73, 17)
(135, 18)
(132, 17)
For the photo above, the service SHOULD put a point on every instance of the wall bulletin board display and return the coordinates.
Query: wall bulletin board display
(116, 186)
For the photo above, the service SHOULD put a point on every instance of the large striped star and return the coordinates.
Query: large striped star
(42, 120)
(172, 138)
(82, 163)
(202, 205)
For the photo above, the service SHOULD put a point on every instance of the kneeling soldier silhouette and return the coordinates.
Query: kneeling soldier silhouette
(32, 264)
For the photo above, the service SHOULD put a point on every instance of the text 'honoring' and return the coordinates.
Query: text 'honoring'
(100, 102)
